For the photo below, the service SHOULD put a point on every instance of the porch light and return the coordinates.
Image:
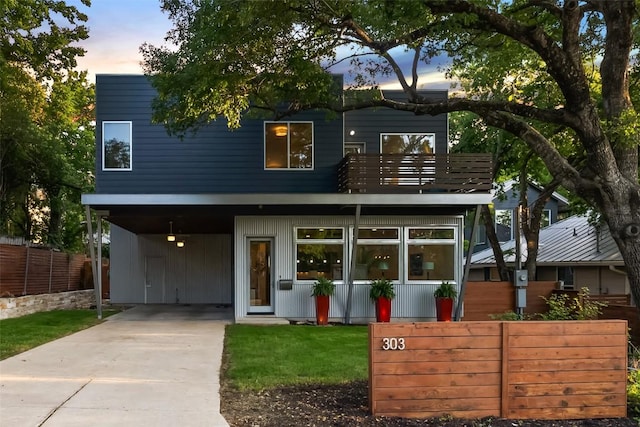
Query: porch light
(171, 237)
(280, 130)
(180, 243)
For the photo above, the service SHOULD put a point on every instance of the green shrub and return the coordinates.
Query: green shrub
(508, 315)
(633, 394)
(633, 384)
(581, 307)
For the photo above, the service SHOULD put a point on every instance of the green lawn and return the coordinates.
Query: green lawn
(23, 333)
(258, 357)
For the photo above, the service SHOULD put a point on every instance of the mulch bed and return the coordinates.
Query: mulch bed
(347, 405)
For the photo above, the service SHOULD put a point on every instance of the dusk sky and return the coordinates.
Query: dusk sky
(117, 29)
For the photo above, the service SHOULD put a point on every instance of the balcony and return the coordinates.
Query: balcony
(415, 173)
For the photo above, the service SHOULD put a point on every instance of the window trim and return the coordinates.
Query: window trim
(430, 134)
(102, 144)
(288, 168)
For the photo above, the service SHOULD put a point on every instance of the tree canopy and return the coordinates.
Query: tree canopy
(46, 122)
(562, 76)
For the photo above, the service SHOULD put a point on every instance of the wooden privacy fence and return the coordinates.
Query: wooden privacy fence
(522, 370)
(485, 298)
(26, 270)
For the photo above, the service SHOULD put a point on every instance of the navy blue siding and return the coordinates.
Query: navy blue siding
(216, 160)
(368, 124)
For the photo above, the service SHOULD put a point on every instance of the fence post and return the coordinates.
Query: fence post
(50, 267)
(26, 272)
(68, 272)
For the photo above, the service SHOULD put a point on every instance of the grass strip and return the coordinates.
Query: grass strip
(23, 333)
(259, 357)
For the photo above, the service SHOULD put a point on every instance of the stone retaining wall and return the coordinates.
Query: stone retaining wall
(20, 306)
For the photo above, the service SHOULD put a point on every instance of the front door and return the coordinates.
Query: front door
(261, 288)
(154, 292)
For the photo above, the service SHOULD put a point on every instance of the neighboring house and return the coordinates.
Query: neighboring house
(505, 206)
(252, 217)
(572, 252)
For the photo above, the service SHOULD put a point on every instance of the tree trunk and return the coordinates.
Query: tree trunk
(624, 228)
(501, 265)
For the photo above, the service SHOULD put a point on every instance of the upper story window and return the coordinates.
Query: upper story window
(545, 221)
(116, 145)
(504, 224)
(407, 143)
(288, 145)
(354, 148)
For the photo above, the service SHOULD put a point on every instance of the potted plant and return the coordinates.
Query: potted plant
(445, 294)
(381, 293)
(323, 288)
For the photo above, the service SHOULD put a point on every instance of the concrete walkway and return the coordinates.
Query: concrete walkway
(147, 366)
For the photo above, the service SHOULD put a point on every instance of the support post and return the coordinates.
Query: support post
(467, 264)
(352, 265)
(94, 268)
(99, 264)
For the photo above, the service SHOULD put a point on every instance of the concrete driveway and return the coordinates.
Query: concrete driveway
(146, 366)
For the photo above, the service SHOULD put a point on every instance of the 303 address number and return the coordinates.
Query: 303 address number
(393, 344)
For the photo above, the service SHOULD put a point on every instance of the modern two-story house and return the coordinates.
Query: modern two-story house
(252, 217)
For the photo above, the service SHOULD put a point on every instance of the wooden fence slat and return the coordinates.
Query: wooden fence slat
(564, 388)
(423, 343)
(558, 377)
(438, 380)
(567, 364)
(461, 392)
(528, 353)
(568, 341)
(569, 413)
(447, 405)
(444, 355)
(431, 367)
(560, 327)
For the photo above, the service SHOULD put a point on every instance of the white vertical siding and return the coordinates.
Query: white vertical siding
(413, 301)
(201, 272)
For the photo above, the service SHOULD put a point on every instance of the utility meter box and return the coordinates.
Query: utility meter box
(521, 278)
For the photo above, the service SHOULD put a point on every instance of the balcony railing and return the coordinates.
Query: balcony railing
(415, 173)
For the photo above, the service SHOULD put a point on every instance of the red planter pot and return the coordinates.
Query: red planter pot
(322, 309)
(444, 309)
(383, 309)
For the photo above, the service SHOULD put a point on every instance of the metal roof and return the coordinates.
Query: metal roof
(570, 241)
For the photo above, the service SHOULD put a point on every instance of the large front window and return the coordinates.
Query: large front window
(431, 254)
(378, 254)
(288, 145)
(116, 145)
(319, 253)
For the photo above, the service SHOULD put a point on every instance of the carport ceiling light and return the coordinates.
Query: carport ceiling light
(171, 237)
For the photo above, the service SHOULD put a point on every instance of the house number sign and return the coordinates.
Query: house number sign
(393, 344)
